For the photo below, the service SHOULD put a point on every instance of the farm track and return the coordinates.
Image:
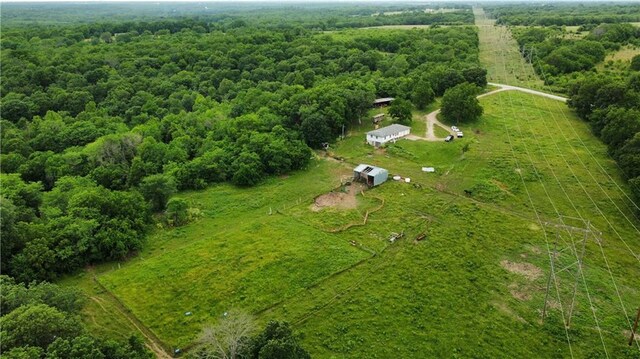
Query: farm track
(432, 118)
(151, 341)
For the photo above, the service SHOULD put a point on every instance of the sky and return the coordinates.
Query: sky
(307, 1)
(299, 1)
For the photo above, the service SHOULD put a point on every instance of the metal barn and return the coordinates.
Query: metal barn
(371, 175)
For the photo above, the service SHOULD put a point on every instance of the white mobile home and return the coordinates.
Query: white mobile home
(390, 133)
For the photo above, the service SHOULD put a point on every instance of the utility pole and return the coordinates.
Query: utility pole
(552, 274)
(577, 257)
(635, 327)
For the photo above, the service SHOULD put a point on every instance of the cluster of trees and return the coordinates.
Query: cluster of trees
(459, 103)
(559, 14)
(611, 105)
(66, 228)
(232, 337)
(41, 321)
(559, 58)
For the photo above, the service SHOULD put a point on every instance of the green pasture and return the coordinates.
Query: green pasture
(242, 254)
(450, 293)
(352, 293)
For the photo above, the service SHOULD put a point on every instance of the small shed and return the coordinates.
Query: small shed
(378, 118)
(371, 175)
(383, 135)
(381, 102)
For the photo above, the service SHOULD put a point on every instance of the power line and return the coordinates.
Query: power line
(554, 279)
(579, 273)
(599, 244)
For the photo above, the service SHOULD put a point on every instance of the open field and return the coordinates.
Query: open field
(418, 292)
(243, 253)
(485, 250)
(619, 60)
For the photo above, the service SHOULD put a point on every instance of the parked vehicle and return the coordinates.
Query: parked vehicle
(448, 138)
(459, 134)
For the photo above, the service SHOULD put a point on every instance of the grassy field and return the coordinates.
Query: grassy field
(497, 39)
(486, 251)
(474, 286)
(243, 253)
(619, 60)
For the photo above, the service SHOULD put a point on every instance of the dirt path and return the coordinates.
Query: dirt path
(150, 340)
(522, 89)
(432, 119)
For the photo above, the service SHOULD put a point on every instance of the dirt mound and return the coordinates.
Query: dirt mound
(338, 199)
(527, 270)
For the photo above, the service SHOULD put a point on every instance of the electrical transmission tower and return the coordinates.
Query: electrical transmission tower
(567, 256)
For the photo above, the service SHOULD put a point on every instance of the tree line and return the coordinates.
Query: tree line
(612, 107)
(561, 60)
(559, 14)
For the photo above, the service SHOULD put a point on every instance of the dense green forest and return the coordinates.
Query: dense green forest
(565, 13)
(324, 16)
(103, 122)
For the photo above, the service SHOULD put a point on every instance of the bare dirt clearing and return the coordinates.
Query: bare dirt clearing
(527, 270)
(339, 199)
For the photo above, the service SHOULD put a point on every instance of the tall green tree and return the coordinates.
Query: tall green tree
(422, 94)
(400, 111)
(157, 189)
(276, 341)
(36, 325)
(459, 104)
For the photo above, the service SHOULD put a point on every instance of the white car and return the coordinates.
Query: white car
(454, 128)
(459, 134)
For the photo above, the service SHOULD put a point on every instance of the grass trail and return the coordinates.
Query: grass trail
(498, 40)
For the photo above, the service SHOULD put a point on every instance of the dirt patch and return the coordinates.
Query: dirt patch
(519, 293)
(503, 187)
(339, 199)
(441, 187)
(524, 269)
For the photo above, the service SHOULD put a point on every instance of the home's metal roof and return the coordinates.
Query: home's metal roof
(389, 130)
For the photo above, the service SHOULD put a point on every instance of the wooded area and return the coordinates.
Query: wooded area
(564, 13)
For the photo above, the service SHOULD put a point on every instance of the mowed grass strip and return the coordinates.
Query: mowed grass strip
(496, 40)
